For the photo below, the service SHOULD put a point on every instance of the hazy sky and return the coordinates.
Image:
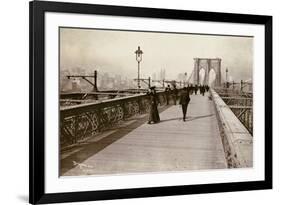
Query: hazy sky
(113, 52)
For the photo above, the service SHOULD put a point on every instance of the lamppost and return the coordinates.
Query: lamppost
(226, 72)
(138, 59)
(226, 78)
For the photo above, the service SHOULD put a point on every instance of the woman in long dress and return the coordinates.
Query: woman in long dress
(153, 111)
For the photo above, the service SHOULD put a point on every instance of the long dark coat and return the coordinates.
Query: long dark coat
(184, 97)
(153, 111)
(184, 100)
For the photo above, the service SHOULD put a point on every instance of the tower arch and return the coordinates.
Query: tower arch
(207, 64)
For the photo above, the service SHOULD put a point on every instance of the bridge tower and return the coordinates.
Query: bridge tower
(207, 64)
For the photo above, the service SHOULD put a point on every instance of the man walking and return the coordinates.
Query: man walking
(184, 100)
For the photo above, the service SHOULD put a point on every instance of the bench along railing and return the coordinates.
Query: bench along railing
(81, 121)
(237, 141)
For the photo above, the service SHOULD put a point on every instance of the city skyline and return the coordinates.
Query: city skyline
(105, 81)
(113, 52)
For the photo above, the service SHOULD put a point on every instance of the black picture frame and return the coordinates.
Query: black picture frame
(37, 9)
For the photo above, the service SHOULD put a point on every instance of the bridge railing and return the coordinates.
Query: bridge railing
(241, 104)
(237, 141)
(233, 92)
(82, 121)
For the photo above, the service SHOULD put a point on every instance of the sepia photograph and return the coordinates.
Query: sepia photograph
(133, 102)
(152, 102)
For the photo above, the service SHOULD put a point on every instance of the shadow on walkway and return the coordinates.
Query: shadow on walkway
(188, 118)
(91, 148)
(198, 117)
(171, 119)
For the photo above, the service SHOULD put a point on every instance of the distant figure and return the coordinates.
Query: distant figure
(175, 94)
(190, 89)
(202, 90)
(153, 111)
(196, 89)
(207, 88)
(184, 100)
(167, 94)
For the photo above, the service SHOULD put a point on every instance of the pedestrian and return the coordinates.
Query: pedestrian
(153, 110)
(184, 100)
(167, 94)
(190, 88)
(175, 94)
(203, 90)
(196, 89)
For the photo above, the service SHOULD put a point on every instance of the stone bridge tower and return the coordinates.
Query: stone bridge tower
(207, 64)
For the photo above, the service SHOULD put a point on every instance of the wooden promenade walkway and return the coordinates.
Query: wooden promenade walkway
(171, 145)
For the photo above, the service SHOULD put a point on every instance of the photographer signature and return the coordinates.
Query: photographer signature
(81, 165)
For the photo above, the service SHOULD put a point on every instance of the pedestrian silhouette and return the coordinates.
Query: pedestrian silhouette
(167, 94)
(153, 110)
(196, 89)
(202, 90)
(175, 94)
(184, 101)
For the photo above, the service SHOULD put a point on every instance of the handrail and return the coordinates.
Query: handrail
(78, 122)
(237, 141)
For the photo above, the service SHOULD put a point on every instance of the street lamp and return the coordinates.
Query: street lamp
(138, 59)
(226, 78)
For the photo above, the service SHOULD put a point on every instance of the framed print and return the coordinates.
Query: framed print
(130, 102)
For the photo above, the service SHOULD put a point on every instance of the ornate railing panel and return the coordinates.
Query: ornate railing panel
(82, 121)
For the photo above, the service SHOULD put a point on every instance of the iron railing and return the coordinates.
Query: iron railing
(241, 104)
(85, 120)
